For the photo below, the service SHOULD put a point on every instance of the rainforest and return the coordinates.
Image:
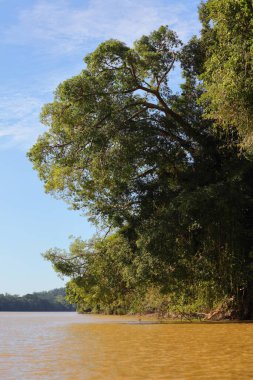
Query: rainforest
(164, 169)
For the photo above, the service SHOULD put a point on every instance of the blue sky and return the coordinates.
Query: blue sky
(42, 43)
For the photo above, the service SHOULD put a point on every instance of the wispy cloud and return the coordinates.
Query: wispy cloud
(19, 124)
(59, 27)
(20, 109)
(62, 29)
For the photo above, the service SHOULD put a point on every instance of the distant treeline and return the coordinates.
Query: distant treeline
(53, 300)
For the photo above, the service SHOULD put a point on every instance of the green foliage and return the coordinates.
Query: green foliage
(106, 274)
(227, 35)
(110, 278)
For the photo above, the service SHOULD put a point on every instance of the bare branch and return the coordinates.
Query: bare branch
(165, 74)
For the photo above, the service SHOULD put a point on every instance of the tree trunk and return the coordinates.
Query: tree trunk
(246, 304)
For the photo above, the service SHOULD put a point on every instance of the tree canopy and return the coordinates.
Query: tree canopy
(117, 127)
(141, 157)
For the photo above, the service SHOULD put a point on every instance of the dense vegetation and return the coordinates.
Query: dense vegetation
(53, 300)
(167, 172)
(228, 39)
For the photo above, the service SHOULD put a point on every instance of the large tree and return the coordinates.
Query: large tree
(138, 154)
(117, 127)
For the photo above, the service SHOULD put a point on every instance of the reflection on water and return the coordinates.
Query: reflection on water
(67, 346)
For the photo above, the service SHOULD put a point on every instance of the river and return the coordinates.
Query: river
(68, 346)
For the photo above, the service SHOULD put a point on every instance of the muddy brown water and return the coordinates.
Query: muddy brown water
(67, 346)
